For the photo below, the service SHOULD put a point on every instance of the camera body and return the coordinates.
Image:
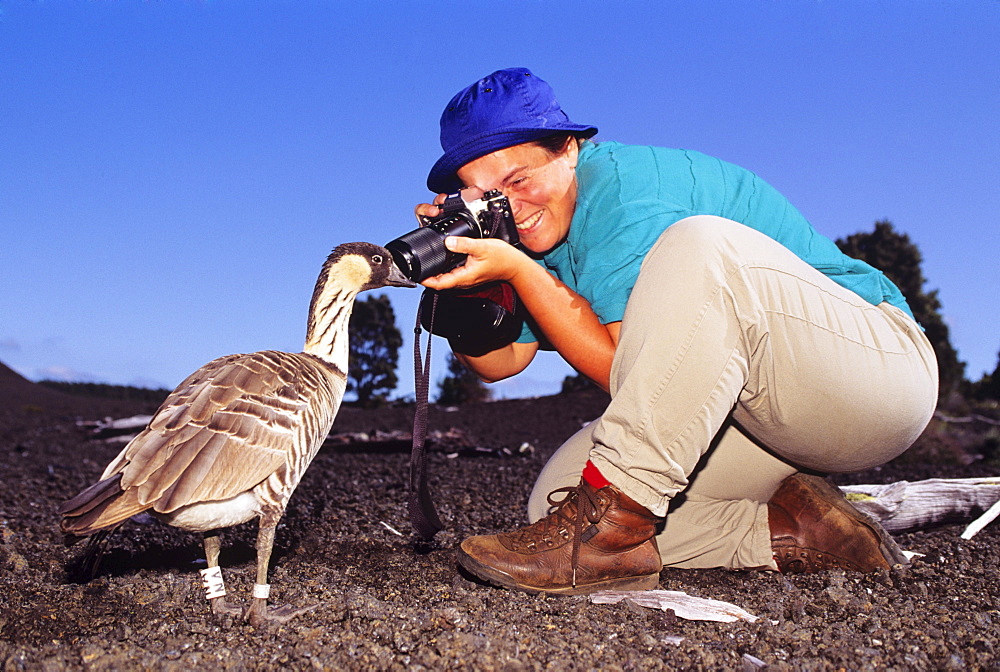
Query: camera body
(421, 253)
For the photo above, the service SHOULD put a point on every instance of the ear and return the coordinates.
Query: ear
(571, 153)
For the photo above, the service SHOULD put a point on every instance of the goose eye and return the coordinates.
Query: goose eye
(377, 259)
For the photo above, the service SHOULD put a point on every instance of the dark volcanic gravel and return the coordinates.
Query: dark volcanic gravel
(383, 605)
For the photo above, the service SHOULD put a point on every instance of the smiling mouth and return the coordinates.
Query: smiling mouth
(529, 222)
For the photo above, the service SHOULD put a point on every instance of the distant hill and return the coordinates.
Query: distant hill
(20, 395)
(16, 390)
(105, 391)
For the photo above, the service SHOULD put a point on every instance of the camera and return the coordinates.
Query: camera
(421, 253)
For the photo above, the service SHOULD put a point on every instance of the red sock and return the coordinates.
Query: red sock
(594, 477)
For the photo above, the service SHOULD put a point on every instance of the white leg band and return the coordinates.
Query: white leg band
(262, 590)
(211, 581)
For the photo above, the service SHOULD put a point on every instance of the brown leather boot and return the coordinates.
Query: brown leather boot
(814, 527)
(594, 540)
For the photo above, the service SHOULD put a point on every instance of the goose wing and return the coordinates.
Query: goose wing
(227, 427)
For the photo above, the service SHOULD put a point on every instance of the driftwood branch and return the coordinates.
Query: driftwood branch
(975, 417)
(905, 506)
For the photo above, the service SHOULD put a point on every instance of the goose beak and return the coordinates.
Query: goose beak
(397, 279)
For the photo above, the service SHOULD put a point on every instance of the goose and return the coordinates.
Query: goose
(232, 441)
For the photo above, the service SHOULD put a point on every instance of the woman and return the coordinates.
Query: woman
(739, 346)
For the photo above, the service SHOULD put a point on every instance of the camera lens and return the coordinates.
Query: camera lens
(421, 253)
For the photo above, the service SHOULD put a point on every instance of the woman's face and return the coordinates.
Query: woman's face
(541, 188)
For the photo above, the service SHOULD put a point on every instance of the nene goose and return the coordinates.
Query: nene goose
(233, 440)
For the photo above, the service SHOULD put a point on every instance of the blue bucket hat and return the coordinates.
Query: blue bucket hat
(507, 108)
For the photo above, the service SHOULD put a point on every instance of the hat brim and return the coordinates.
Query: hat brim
(443, 178)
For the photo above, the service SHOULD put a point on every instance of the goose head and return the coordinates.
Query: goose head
(357, 267)
(350, 268)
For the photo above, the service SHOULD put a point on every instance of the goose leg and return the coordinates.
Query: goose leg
(213, 544)
(258, 612)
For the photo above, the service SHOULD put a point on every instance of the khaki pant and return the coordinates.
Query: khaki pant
(738, 365)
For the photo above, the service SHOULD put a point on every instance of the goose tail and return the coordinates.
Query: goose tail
(101, 506)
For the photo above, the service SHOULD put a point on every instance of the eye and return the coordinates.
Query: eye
(377, 259)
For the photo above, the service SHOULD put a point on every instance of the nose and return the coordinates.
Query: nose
(515, 207)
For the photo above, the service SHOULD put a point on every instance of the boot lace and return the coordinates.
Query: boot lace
(587, 504)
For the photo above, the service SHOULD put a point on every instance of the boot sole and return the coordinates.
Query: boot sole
(890, 550)
(504, 580)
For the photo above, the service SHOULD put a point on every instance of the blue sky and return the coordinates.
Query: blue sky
(173, 174)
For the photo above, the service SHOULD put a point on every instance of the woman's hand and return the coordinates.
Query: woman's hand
(429, 209)
(488, 260)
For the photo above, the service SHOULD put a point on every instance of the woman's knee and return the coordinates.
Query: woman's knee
(701, 242)
(702, 231)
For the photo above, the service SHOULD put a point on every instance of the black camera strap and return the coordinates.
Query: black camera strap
(423, 516)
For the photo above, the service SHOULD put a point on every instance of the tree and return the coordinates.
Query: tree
(461, 385)
(577, 383)
(374, 350)
(988, 387)
(898, 257)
